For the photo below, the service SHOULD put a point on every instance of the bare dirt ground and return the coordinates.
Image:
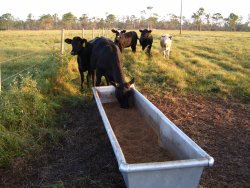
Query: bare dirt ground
(221, 128)
(84, 158)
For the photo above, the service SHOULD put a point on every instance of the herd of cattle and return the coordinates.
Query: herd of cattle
(102, 57)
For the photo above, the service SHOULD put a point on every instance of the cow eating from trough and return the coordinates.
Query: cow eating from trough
(146, 40)
(125, 39)
(106, 60)
(166, 42)
(83, 56)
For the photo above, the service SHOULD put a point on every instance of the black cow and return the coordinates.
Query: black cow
(106, 59)
(124, 40)
(83, 56)
(146, 40)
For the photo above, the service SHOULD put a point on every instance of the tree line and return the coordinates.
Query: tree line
(199, 20)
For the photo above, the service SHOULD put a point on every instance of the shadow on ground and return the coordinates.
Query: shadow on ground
(83, 158)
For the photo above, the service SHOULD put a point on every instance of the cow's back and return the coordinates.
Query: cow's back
(105, 54)
(129, 39)
(134, 36)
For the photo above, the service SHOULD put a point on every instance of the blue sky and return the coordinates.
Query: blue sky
(99, 8)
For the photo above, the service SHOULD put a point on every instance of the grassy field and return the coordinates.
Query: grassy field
(204, 64)
(201, 63)
(26, 109)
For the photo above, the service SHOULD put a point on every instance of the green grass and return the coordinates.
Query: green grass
(27, 113)
(208, 64)
(29, 101)
(203, 63)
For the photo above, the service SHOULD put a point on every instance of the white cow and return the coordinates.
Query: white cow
(166, 42)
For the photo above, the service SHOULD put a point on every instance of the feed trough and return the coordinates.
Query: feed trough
(151, 151)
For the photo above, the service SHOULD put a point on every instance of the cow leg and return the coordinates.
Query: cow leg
(107, 79)
(98, 77)
(93, 73)
(82, 79)
(148, 49)
(168, 52)
(163, 51)
(164, 54)
(133, 48)
(110, 78)
(88, 77)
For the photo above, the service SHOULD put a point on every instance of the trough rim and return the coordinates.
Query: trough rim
(204, 161)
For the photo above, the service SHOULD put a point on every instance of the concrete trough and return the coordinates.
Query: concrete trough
(189, 159)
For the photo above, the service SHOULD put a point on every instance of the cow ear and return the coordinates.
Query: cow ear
(140, 30)
(68, 41)
(114, 31)
(114, 84)
(123, 31)
(132, 81)
(170, 37)
(149, 31)
(84, 41)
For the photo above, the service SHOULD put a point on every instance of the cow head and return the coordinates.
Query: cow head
(77, 44)
(118, 34)
(166, 40)
(123, 92)
(145, 33)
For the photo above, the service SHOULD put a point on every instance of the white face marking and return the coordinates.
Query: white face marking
(165, 38)
(119, 31)
(165, 42)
